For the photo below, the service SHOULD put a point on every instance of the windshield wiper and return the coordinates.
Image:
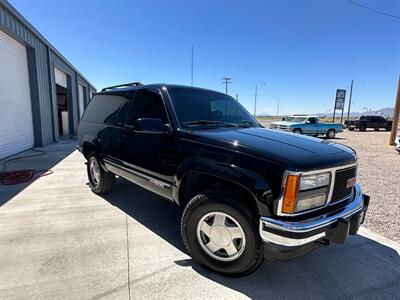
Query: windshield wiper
(245, 123)
(208, 122)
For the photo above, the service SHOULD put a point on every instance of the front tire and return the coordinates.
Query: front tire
(297, 131)
(331, 134)
(100, 181)
(222, 234)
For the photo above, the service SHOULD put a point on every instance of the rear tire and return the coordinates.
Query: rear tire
(351, 129)
(100, 181)
(331, 134)
(231, 246)
(363, 128)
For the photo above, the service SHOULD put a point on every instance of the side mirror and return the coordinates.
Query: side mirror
(151, 126)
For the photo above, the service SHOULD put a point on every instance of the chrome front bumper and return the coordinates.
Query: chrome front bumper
(291, 234)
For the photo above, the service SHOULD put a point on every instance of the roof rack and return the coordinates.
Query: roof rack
(122, 85)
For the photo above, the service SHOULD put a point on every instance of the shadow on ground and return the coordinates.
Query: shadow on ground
(52, 155)
(362, 268)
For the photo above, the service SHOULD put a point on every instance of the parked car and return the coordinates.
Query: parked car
(309, 125)
(275, 125)
(397, 144)
(246, 192)
(364, 122)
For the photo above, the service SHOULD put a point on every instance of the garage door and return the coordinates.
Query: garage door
(16, 127)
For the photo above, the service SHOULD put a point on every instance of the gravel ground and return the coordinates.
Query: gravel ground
(379, 176)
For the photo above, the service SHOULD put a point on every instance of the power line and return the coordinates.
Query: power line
(373, 10)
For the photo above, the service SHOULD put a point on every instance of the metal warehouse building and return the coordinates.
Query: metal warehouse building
(42, 96)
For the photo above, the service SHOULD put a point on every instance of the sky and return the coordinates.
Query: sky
(299, 52)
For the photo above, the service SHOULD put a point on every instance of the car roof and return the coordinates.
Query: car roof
(304, 116)
(148, 86)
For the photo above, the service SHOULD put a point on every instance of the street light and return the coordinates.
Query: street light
(255, 98)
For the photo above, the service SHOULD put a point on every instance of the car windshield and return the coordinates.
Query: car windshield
(299, 120)
(288, 119)
(200, 108)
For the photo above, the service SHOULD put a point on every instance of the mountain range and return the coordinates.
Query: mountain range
(384, 112)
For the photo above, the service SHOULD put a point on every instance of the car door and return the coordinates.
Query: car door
(320, 127)
(144, 152)
(381, 122)
(370, 123)
(311, 126)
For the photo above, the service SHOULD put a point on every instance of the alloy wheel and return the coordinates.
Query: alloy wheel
(94, 170)
(221, 236)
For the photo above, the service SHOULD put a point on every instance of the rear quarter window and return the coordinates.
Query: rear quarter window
(105, 109)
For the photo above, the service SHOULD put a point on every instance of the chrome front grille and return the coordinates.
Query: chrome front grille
(340, 189)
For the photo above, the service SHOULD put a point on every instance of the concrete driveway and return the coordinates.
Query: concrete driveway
(60, 241)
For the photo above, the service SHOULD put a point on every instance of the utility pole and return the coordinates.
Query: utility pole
(226, 82)
(255, 102)
(277, 108)
(255, 99)
(396, 113)
(192, 69)
(351, 94)
(277, 111)
(237, 97)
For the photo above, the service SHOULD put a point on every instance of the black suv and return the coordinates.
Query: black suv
(246, 192)
(364, 122)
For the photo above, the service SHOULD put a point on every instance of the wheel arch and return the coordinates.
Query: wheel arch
(297, 128)
(195, 177)
(90, 144)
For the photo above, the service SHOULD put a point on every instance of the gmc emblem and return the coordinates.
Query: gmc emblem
(350, 182)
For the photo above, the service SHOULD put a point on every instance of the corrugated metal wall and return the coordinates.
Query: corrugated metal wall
(45, 120)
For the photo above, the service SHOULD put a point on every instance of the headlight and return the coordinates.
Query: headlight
(310, 202)
(305, 192)
(309, 182)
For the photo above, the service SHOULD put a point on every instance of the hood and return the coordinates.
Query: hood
(285, 123)
(297, 152)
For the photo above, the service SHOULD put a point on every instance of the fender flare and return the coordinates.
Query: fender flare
(94, 143)
(255, 184)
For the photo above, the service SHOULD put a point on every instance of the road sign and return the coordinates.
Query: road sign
(340, 97)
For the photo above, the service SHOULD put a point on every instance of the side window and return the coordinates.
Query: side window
(123, 111)
(312, 120)
(104, 108)
(363, 118)
(147, 104)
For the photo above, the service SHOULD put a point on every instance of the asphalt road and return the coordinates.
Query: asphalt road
(60, 241)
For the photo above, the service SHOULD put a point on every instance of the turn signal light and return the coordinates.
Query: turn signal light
(290, 194)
